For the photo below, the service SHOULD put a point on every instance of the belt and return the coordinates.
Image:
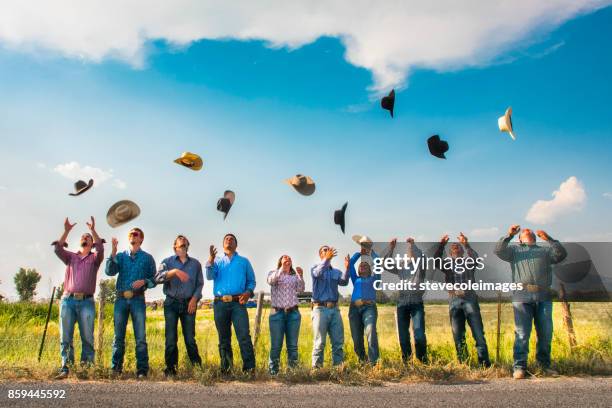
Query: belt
(458, 293)
(78, 296)
(328, 305)
(227, 298)
(128, 294)
(534, 288)
(285, 309)
(360, 302)
(178, 299)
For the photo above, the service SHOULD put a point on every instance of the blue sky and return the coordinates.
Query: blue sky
(259, 114)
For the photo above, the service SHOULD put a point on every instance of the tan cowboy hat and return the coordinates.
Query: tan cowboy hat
(122, 212)
(302, 184)
(363, 240)
(505, 123)
(190, 160)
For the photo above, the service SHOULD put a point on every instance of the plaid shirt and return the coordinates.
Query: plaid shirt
(285, 288)
(130, 268)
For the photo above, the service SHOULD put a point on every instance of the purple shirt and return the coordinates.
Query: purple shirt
(81, 273)
(284, 288)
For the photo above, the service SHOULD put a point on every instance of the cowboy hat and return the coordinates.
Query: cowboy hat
(225, 203)
(362, 240)
(437, 147)
(80, 187)
(190, 160)
(505, 123)
(388, 102)
(302, 184)
(339, 216)
(122, 212)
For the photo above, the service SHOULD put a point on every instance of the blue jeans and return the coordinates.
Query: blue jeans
(362, 320)
(416, 312)
(124, 308)
(175, 310)
(460, 311)
(226, 315)
(327, 321)
(541, 315)
(284, 325)
(83, 313)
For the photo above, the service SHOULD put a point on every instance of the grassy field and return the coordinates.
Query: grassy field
(21, 327)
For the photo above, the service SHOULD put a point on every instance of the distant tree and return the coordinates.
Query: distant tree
(108, 290)
(25, 283)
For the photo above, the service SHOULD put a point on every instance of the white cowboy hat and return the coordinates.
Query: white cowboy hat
(362, 240)
(505, 123)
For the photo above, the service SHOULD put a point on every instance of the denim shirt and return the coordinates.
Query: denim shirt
(174, 287)
(325, 282)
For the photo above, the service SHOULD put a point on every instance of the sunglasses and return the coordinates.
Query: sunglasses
(134, 234)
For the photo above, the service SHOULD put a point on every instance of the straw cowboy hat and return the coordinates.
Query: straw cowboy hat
(190, 160)
(362, 240)
(225, 203)
(505, 123)
(122, 212)
(80, 187)
(302, 184)
(388, 102)
(339, 216)
(437, 147)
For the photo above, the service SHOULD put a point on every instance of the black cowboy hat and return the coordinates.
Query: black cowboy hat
(388, 102)
(225, 203)
(437, 147)
(80, 187)
(339, 216)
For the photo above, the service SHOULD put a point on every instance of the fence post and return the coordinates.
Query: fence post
(100, 331)
(567, 319)
(42, 342)
(260, 298)
(499, 303)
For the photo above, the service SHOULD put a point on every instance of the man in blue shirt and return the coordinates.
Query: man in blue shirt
(136, 273)
(326, 316)
(234, 283)
(363, 313)
(183, 281)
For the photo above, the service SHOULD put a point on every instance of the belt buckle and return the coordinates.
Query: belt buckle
(78, 296)
(227, 298)
(533, 288)
(460, 293)
(359, 303)
(329, 305)
(128, 294)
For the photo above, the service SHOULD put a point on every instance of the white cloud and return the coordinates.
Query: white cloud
(608, 195)
(387, 38)
(570, 197)
(74, 171)
(484, 233)
(120, 184)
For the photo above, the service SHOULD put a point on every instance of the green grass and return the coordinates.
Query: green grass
(21, 327)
